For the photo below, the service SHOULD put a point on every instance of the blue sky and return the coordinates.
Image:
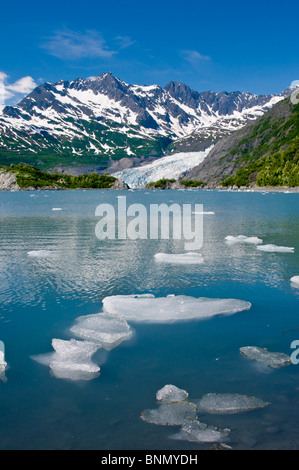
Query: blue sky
(209, 45)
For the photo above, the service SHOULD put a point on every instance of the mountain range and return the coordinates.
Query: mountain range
(102, 122)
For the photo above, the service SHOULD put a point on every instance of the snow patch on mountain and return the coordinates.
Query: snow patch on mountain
(172, 166)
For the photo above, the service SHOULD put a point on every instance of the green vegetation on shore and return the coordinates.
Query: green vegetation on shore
(28, 176)
(192, 183)
(163, 183)
(269, 154)
(279, 169)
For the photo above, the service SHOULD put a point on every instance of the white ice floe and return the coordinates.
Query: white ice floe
(72, 359)
(243, 239)
(204, 212)
(171, 394)
(181, 258)
(295, 281)
(274, 248)
(39, 253)
(56, 209)
(140, 308)
(195, 431)
(108, 331)
(170, 414)
(229, 403)
(271, 359)
(3, 363)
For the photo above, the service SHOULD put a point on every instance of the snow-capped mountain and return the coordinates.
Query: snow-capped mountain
(101, 119)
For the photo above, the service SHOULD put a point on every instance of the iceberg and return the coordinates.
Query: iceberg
(39, 253)
(274, 248)
(271, 359)
(108, 331)
(170, 414)
(243, 239)
(56, 209)
(142, 309)
(195, 431)
(171, 394)
(184, 258)
(229, 403)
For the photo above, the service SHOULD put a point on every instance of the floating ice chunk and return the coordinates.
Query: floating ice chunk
(171, 394)
(274, 248)
(39, 253)
(170, 414)
(170, 309)
(272, 359)
(243, 239)
(229, 403)
(72, 359)
(204, 212)
(108, 331)
(3, 363)
(295, 281)
(195, 431)
(57, 209)
(183, 258)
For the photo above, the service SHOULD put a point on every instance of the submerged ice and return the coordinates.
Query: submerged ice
(140, 308)
(229, 403)
(272, 359)
(170, 414)
(195, 431)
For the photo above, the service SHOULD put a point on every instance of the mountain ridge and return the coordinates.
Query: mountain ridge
(100, 120)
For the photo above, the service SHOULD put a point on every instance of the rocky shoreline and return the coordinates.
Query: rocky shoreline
(8, 183)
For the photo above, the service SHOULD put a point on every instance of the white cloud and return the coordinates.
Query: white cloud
(71, 45)
(23, 86)
(193, 57)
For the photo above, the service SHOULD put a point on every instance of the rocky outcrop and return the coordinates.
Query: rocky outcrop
(8, 181)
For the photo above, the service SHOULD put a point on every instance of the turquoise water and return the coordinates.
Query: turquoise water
(41, 297)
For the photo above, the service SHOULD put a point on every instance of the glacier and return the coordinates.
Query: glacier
(171, 166)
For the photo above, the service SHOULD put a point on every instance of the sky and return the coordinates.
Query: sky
(209, 45)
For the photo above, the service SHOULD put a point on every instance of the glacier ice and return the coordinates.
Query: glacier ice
(275, 248)
(170, 414)
(181, 258)
(272, 359)
(136, 308)
(108, 331)
(3, 363)
(39, 253)
(243, 239)
(204, 212)
(295, 281)
(171, 394)
(56, 209)
(229, 403)
(72, 359)
(195, 431)
(171, 166)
